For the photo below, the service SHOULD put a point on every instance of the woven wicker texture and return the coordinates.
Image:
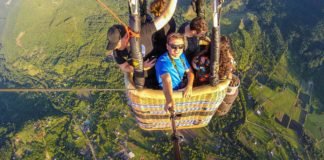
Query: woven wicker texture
(194, 112)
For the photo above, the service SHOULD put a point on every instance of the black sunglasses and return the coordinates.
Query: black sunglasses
(174, 46)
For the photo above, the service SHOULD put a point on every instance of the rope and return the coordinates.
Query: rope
(111, 12)
(61, 90)
(129, 32)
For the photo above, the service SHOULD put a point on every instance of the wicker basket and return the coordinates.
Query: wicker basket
(194, 112)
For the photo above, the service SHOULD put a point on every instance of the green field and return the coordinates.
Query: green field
(321, 144)
(57, 37)
(282, 102)
(42, 133)
(314, 125)
(273, 126)
(281, 72)
(276, 102)
(264, 135)
(256, 139)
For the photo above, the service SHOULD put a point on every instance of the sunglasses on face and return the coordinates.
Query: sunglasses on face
(174, 46)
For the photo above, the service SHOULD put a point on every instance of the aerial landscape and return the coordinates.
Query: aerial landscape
(279, 112)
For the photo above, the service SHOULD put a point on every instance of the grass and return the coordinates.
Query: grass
(259, 133)
(28, 68)
(252, 134)
(274, 101)
(140, 152)
(284, 102)
(28, 134)
(38, 132)
(259, 128)
(281, 72)
(58, 35)
(140, 143)
(275, 127)
(278, 101)
(233, 5)
(261, 92)
(231, 16)
(80, 141)
(314, 125)
(321, 145)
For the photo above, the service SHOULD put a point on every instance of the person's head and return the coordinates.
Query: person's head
(157, 7)
(117, 37)
(225, 46)
(225, 41)
(175, 45)
(199, 26)
(226, 53)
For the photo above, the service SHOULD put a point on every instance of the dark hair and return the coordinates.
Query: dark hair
(157, 7)
(199, 24)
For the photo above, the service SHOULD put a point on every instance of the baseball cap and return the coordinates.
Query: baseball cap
(115, 33)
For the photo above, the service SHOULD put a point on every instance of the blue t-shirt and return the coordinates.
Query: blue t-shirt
(164, 65)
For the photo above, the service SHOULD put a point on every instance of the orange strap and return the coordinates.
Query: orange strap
(129, 31)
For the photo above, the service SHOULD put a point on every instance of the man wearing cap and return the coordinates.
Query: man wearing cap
(119, 39)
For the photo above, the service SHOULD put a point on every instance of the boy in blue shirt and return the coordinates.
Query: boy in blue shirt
(171, 68)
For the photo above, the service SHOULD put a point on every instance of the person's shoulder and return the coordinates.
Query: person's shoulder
(172, 21)
(183, 56)
(183, 27)
(163, 58)
(172, 25)
(121, 52)
(149, 26)
(185, 23)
